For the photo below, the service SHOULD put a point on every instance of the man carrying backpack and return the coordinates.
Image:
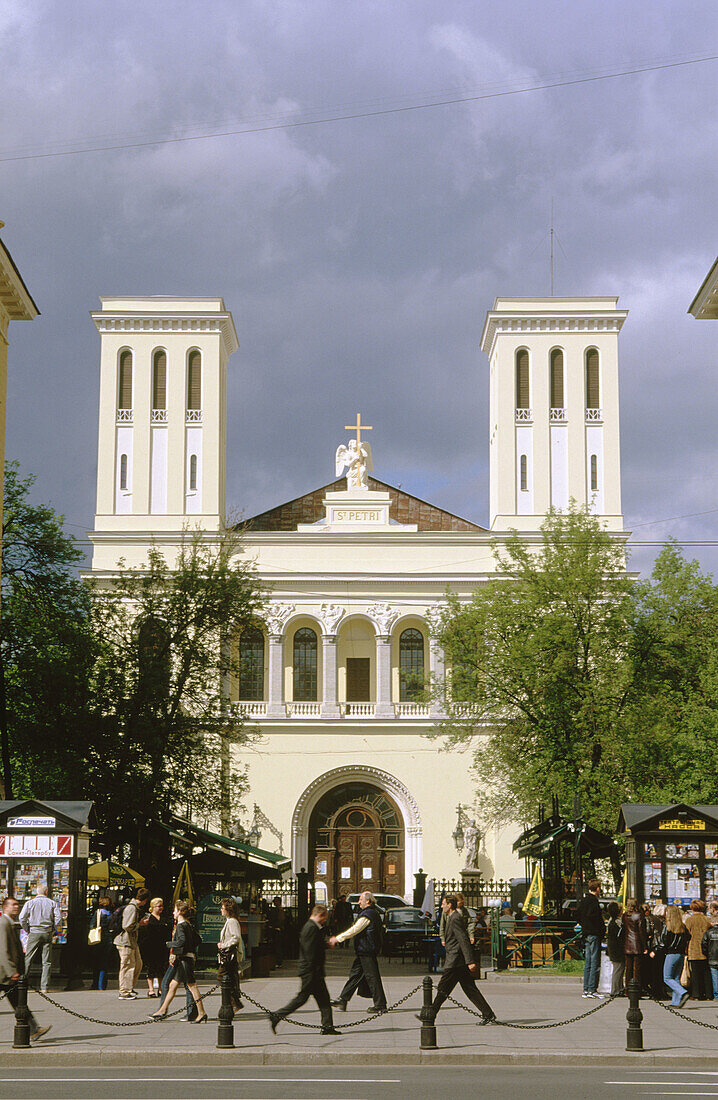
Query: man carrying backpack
(126, 944)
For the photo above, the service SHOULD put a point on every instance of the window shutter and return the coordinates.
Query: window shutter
(194, 380)
(125, 388)
(593, 397)
(557, 379)
(159, 381)
(522, 379)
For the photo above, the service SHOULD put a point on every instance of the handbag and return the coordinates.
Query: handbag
(685, 978)
(94, 936)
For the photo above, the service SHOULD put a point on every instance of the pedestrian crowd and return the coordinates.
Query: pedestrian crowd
(665, 949)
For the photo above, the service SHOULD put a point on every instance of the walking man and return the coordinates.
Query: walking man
(366, 933)
(593, 926)
(40, 917)
(126, 944)
(312, 953)
(459, 967)
(12, 961)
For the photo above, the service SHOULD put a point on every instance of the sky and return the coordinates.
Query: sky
(359, 256)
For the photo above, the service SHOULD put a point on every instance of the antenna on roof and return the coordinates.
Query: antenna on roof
(552, 233)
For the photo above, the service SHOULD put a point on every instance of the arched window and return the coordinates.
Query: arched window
(593, 388)
(557, 379)
(524, 474)
(411, 665)
(305, 666)
(193, 473)
(594, 474)
(194, 380)
(159, 379)
(251, 664)
(123, 472)
(124, 393)
(153, 659)
(523, 397)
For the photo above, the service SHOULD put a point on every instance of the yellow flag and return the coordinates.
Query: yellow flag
(183, 886)
(533, 902)
(624, 889)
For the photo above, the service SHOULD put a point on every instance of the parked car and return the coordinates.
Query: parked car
(405, 930)
(382, 902)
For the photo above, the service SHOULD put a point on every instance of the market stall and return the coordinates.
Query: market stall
(671, 852)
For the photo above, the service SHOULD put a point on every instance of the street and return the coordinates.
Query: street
(330, 1083)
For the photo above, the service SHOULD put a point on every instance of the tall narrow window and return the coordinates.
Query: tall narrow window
(123, 471)
(593, 395)
(557, 379)
(251, 665)
(193, 473)
(522, 379)
(594, 474)
(194, 380)
(159, 380)
(124, 395)
(524, 474)
(411, 665)
(305, 666)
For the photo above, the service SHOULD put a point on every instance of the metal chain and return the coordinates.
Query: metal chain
(318, 1027)
(536, 1027)
(675, 1012)
(115, 1023)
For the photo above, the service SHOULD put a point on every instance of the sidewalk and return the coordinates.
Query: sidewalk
(389, 1040)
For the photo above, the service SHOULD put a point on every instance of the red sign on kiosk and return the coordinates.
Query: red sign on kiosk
(34, 846)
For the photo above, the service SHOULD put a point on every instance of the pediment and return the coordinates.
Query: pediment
(404, 508)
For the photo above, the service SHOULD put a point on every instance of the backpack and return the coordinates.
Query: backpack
(114, 925)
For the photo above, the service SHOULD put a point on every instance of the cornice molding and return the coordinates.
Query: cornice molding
(161, 323)
(549, 323)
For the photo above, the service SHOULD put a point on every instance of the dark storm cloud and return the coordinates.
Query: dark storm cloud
(359, 257)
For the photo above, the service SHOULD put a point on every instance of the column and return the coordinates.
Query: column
(275, 703)
(384, 708)
(330, 707)
(437, 669)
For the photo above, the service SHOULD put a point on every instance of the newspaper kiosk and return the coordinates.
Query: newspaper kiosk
(48, 844)
(671, 852)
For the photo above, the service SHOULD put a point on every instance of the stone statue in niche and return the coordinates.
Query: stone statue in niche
(472, 840)
(356, 458)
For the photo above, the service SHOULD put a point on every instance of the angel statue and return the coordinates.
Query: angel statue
(357, 460)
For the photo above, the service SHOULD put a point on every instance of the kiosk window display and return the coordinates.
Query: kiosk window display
(671, 852)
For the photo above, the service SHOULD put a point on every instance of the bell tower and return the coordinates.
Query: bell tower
(554, 416)
(162, 425)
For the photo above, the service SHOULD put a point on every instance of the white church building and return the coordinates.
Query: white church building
(344, 770)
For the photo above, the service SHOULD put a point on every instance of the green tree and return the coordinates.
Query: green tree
(167, 639)
(46, 649)
(547, 656)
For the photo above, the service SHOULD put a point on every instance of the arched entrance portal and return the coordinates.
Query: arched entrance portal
(356, 837)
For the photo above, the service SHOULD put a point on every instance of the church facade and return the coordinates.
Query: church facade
(331, 677)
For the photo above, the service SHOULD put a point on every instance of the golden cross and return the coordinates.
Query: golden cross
(358, 428)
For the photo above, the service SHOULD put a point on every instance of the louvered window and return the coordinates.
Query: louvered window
(124, 396)
(411, 665)
(159, 380)
(557, 379)
(251, 665)
(305, 666)
(593, 395)
(194, 380)
(522, 379)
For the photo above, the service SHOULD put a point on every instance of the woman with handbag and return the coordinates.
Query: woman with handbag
(635, 939)
(100, 941)
(183, 952)
(697, 923)
(230, 949)
(674, 941)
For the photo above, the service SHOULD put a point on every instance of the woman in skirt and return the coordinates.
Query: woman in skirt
(183, 949)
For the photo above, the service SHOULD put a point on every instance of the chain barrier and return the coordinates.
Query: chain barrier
(116, 1023)
(537, 1027)
(674, 1011)
(318, 1027)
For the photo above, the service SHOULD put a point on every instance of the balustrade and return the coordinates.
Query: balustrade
(358, 710)
(303, 710)
(593, 415)
(411, 710)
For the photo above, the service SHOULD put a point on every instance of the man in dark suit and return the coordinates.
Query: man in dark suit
(366, 933)
(459, 967)
(312, 952)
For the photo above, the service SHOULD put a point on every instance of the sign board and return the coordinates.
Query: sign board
(210, 921)
(30, 822)
(83, 847)
(676, 825)
(34, 846)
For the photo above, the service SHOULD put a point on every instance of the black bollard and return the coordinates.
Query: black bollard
(21, 1035)
(634, 1031)
(225, 1028)
(428, 1027)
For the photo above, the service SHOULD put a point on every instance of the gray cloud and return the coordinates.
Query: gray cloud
(359, 257)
